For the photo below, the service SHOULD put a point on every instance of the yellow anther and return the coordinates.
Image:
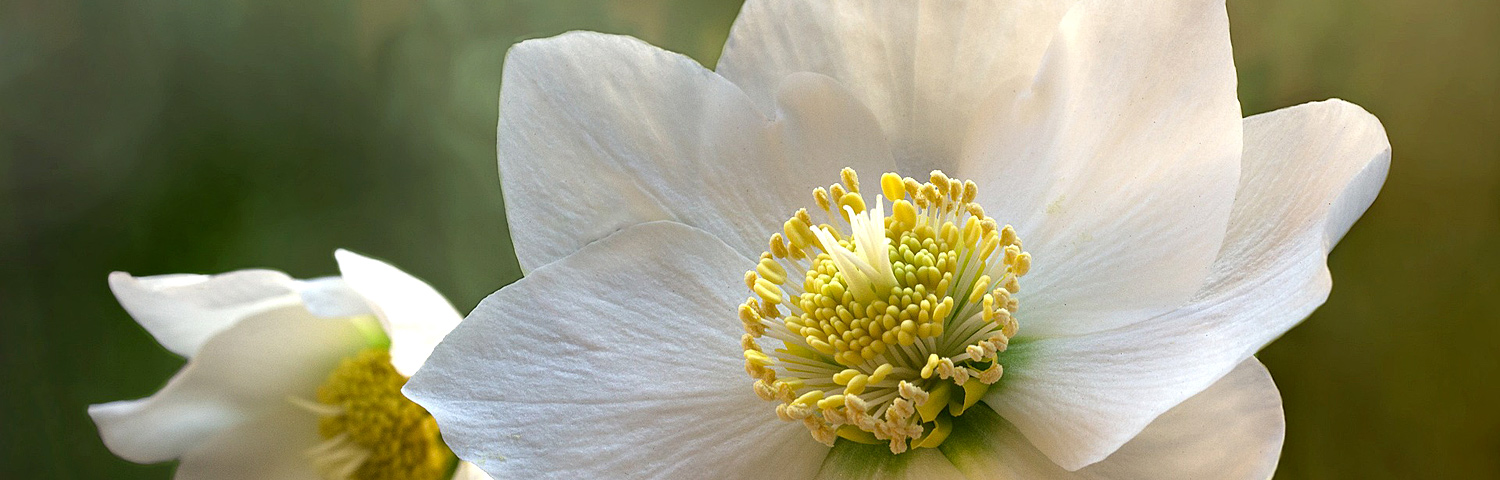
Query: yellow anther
(987, 248)
(849, 357)
(820, 196)
(976, 211)
(749, 311)
(980, 287)
(757, 358)
(932, 363)
(880, 373)
(975, 352)
(769, 292)
(949, 233)
(771, 270)
(747, 342)
(971, 232)
(764, 390)
(1012, 252)
(955, 190)
(890, 185)
(970, 191)
(842, 378)
(809, 398)
(750, 279)
(800, 233)
(1023, 264)
(913, 188)
(904, 212)
(1010, 282)
(857, 384)
(820, 346)
(836, 191)
(850, 178)
(849, 201)
(939, 179)
(1008, 236)
(778, 246)
(784, 412)
(940, 313)
(821, 431)
(931, 194)
(831, 402)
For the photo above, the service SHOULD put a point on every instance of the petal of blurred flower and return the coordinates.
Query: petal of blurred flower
(260, 346)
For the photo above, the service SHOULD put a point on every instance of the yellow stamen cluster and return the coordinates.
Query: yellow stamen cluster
(893, 315)
(370, 430)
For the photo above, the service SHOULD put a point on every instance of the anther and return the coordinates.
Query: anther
(891, 186)
(820, 196)
(850, 178)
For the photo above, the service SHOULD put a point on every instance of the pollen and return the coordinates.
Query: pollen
(370, 430)
(883, 329)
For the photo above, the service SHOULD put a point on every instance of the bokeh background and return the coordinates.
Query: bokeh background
(163, 136)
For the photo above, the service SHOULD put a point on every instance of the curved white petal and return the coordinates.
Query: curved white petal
(271, 446)
(469, 471)
(1232, 430)
(415, 316)
(1309, 172)
(922, 67)
(183, 311)
(331, 297)
(621, 360)
(600, 132)
(241, 373)
(1117, 164)
(853, 461)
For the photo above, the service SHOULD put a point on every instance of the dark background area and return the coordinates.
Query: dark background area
(166, 136)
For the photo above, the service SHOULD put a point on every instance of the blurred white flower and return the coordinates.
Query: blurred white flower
(286, 378)
(1166, 241)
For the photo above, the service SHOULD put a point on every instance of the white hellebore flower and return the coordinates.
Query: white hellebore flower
(883, 325)
(287, 379)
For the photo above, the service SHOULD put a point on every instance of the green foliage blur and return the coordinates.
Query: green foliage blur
(166, 136)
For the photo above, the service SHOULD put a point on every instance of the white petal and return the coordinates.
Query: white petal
(331, 297)
(469, 471)
(621, 360)
(183, 311)
(1118, 164)
(238, 375)
(600, 132)
(1309, 172)
(272, 446)
(922, 67)
(1232, 430)
(414, 315)
(854, 461)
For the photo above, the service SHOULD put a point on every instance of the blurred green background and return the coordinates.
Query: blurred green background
(162, 136)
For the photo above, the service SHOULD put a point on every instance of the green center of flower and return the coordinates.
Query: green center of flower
(897, 322)
(370, 430)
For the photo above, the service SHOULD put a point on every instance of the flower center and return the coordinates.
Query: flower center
(896, 324)
(370, 430)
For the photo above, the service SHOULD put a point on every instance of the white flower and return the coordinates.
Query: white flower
(286, 379)
(1166, 241)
